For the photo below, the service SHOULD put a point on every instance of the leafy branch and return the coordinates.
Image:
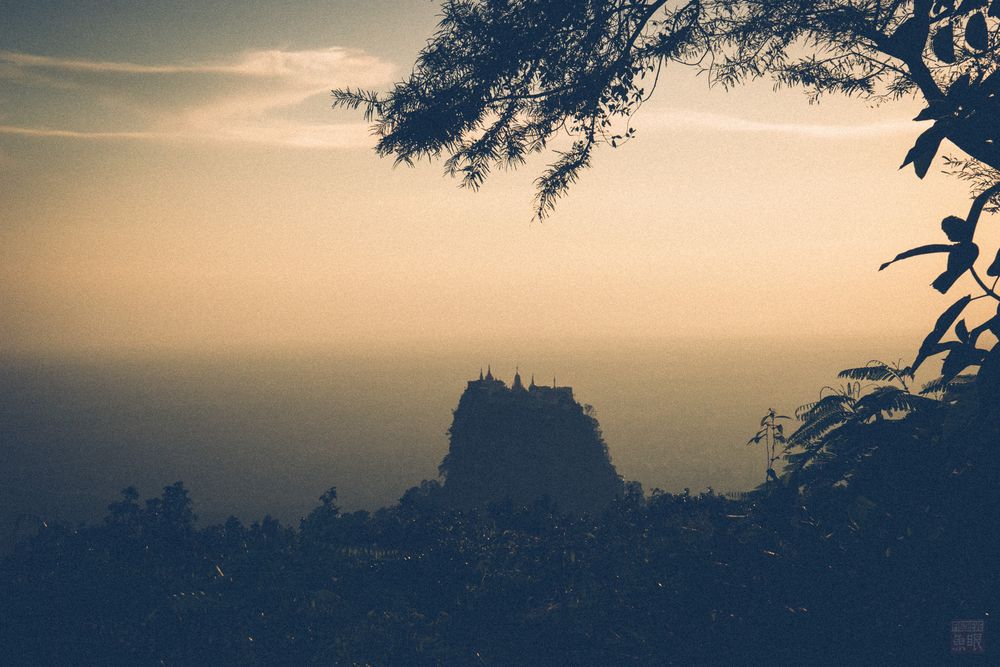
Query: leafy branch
(830, 430)
(772, 434)
(962, 254)
(502, 80)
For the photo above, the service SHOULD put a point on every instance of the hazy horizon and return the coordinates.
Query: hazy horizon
(178, 188)
(268, 432)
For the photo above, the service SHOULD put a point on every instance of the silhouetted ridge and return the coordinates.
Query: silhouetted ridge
(524, 444)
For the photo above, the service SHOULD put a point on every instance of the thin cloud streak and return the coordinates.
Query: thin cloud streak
(81, 65)
(270, 82)
(675, 119)
(316, 65)
(295, 135)
(73, 134)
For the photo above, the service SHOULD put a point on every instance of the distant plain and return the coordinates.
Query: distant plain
(257, 433)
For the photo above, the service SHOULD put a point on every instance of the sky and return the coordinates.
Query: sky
(173, 178)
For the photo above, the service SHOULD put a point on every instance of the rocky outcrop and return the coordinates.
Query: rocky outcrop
(524, 444)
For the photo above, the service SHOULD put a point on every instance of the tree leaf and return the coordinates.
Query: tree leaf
(909, 39)
(960, 89)
(976, 33)
(924, 150)
(890, 399)
(941, 6)
(962, 331)
(969, 6)
(936, 109)
(992, 324)
(939, 385)
(994, 268)
(959, 359)
(943, 43)
(956, 229)
(873, 372)
(944, 322)
(922, 250)
(960, 259)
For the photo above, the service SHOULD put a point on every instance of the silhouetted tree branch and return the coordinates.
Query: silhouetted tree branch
(501, 79)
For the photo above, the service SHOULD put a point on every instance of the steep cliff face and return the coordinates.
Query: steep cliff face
(524, 444)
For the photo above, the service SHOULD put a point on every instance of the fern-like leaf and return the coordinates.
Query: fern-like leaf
(890, 399)
(943, 385)
(873, 371)
(822, 407)
(815, 429)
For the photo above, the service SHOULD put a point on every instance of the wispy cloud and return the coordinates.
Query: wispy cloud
(688, 119)
(299, 135)
(316, 65)
(263, 85)
(73, 134)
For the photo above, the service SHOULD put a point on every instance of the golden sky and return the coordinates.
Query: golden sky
(173, 178)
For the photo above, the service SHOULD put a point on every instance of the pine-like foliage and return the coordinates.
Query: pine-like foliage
(501, 80)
